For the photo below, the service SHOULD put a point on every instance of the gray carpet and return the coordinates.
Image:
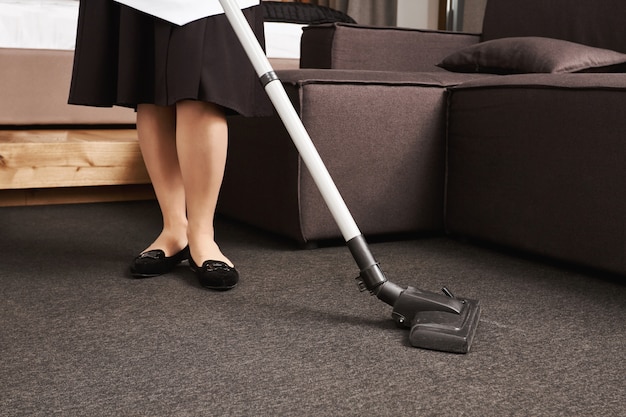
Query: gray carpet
(296, 338)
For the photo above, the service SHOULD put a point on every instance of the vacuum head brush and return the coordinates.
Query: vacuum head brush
(437, 321)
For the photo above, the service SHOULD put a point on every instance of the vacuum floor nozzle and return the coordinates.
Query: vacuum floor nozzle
(448, 332)
(437, 321)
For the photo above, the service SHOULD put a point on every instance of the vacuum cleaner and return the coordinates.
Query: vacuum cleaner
(437, 321)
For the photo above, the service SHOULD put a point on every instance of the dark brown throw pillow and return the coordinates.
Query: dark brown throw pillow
(521, 55)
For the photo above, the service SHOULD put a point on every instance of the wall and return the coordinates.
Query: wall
(421, 14)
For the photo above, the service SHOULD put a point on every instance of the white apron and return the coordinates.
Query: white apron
(181, 12)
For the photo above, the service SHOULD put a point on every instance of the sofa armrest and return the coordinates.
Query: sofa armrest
(349, 46)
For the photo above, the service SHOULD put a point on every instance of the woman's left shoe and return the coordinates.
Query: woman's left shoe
(154, 263)
(215, 275)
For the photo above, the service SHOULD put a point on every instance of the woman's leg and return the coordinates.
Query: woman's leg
(156, 129)
(202, 141)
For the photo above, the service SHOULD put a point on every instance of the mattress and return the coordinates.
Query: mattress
(51, 24)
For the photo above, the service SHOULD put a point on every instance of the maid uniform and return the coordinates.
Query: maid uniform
(125, 57)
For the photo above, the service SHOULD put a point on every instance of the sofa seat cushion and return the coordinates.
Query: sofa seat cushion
(381, 136)
(532, 54)
(538, 162)
(567, 82)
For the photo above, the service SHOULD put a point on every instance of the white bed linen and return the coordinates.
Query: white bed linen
(38, 24)
(51, 24)
(282, 40)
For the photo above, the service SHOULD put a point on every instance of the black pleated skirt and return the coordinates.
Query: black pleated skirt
(125, 57)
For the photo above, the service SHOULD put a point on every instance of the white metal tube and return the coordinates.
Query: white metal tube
(292, 122)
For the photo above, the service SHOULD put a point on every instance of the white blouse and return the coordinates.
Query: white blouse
(181, 12)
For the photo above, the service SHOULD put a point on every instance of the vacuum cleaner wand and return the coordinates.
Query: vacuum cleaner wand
(436, 321)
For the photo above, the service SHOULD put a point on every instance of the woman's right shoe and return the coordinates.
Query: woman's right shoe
(215, 275)
(154, 263)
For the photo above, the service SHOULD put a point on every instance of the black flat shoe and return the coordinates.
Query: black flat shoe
(154, 263)
(215, 275)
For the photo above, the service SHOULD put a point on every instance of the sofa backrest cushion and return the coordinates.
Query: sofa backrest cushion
(598, 23)
(378, 48)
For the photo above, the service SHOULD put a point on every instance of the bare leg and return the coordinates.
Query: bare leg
(202, 140)
(156, 129)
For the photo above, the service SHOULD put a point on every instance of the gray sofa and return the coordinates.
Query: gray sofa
(519, 141)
